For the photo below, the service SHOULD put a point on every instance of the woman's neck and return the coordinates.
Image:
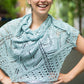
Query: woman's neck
(37, 20)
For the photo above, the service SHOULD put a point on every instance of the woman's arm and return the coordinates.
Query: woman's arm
(5, 79)
(80, 66)
(65, 78)
(80, 44)
(2, 75)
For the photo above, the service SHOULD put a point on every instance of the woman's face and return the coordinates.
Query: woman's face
(40, 6)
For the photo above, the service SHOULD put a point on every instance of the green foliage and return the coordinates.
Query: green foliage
(75, 9)
(8, 7)
(67, 11)
(64, 12)
(53, 9)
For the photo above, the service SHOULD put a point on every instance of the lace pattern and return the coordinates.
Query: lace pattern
(27, 55)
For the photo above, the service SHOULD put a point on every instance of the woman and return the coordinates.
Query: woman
(35, 47)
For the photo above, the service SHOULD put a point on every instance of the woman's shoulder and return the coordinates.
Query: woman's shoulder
(13, 22)
(60, 24)
(11, 26)
(71, 32)
(63, 26)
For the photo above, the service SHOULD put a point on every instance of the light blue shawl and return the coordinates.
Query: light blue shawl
(35, 55)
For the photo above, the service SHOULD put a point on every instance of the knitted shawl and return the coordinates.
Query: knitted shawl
(35, 55)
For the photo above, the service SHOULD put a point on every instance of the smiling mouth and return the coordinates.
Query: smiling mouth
(42, 6)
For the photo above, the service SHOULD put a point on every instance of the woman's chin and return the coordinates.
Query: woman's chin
(42, 13)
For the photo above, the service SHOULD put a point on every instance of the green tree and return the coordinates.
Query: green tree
(71, 9)
(53, 9)
(80, 13)
(67, 11)
(8, 7)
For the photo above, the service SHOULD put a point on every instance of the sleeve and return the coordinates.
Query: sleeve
(73, 35)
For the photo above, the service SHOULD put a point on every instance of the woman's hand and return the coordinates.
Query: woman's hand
(7, 80)
(63, 78)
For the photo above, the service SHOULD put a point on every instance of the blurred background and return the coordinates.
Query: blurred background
(70, 11)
